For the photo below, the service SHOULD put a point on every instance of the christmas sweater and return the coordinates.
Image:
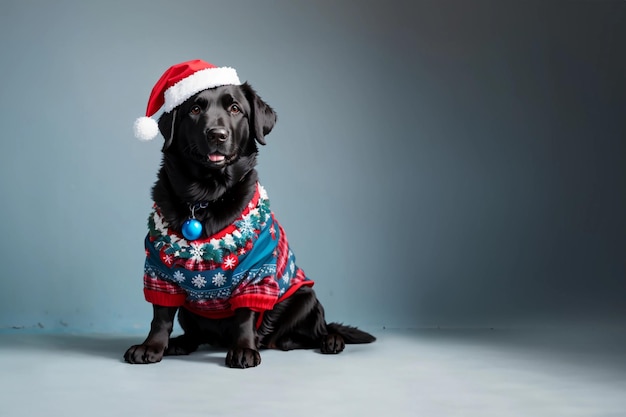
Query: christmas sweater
(248, 264)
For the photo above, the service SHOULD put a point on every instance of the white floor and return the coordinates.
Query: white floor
(405, 373)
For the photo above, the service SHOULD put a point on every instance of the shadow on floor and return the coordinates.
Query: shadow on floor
(104, 346)
(583, 346)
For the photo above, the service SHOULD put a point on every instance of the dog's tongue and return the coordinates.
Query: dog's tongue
(215, 157)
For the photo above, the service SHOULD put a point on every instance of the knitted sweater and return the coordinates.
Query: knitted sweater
(248, 264)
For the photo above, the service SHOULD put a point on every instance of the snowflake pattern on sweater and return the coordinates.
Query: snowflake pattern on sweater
(248, 264)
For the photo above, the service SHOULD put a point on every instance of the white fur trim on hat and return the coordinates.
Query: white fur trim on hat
(196, 82)
(145, 128)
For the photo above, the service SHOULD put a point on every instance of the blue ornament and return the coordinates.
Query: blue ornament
(192, 229)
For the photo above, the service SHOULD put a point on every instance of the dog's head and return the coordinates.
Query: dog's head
(217, 126)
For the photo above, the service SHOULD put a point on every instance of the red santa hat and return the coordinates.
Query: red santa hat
(176, 85)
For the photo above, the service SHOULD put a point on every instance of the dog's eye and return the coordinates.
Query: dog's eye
(234, 109)
(195, 110)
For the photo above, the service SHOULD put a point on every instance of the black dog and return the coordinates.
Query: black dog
(208, 166)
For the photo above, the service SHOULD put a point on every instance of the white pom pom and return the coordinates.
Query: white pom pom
(146, 128)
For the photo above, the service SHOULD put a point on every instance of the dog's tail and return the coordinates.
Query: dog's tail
(351, 335)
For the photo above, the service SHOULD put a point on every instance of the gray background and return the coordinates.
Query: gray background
(435, 163)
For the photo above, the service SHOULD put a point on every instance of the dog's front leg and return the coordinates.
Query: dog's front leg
(151, 350)
(244, 353)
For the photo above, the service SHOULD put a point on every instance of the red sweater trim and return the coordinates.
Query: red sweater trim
(164, 299)
(254, 302)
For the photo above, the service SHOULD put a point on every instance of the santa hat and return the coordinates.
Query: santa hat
(176, 85)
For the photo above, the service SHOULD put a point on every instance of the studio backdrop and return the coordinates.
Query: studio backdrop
(457, 163)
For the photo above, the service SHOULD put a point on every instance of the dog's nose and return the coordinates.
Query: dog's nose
(217, 133)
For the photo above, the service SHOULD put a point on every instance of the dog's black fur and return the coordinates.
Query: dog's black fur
(228, 121)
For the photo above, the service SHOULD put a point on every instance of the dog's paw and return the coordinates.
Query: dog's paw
(332, 343)
(144, 354)
(177, 351)
(181, 345)
(243, 358)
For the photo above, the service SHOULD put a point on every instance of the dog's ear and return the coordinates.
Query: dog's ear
(166, 127)
(262, 116)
